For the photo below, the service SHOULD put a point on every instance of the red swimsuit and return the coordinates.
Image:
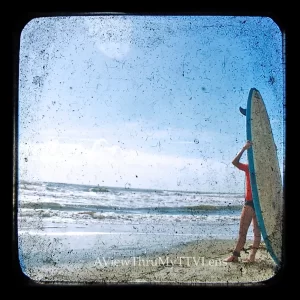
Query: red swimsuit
(245, 168)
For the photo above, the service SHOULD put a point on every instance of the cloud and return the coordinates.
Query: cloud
(112, 35)
(110, 165)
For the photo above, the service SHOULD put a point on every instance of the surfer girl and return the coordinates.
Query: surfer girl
(247, 215)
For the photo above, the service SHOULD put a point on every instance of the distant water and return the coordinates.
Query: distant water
(67, 223)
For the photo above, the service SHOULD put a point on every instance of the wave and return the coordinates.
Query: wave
(117, 209)
(199, 208)
(54, 186)
(99, 190)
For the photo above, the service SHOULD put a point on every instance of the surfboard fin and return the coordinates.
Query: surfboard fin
(243, 111)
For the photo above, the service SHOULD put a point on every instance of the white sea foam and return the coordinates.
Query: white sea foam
(54, 220)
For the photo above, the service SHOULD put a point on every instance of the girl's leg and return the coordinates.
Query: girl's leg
(257, 238)
(246, 218)
(245, 221)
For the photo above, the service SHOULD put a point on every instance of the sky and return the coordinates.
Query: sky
(145, 101)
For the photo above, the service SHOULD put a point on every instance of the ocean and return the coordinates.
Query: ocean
(62, 223)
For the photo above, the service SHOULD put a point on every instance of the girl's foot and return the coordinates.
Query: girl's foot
(231, 258)
(251, 257)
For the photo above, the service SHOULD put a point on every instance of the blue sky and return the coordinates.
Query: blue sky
(150, 101)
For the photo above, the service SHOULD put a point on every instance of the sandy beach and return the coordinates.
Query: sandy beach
(196, 263)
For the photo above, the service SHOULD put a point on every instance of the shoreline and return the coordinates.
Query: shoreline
(195, 263)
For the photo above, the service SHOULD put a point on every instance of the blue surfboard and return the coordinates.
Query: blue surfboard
(265, 174)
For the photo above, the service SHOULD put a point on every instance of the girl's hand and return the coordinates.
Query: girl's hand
(248, 145)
